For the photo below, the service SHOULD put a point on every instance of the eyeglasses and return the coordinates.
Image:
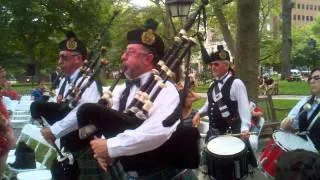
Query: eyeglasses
(131, 52)
(317, 77)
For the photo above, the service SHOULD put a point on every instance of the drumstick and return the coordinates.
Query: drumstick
(250, 133)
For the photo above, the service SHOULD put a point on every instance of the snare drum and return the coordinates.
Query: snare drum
(281, 142)
(227, 158)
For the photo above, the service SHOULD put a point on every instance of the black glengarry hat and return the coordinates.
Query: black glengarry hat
(72, 43)
(220, 54)
(147, 37)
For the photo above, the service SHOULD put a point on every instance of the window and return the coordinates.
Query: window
(311, 18)
(311, 6)
(302, 17)
(302, 6)
(307, 18)
(298, 17)
(298, 6)
(318, 8)
(307, 6)
(294, 17)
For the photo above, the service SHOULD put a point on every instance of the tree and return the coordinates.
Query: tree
(247, 44)
(286, 38)
(36, 26)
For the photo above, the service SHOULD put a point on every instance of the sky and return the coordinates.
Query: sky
(141, 3)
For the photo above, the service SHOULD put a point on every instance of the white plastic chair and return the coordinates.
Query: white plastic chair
(31, 132)
(39, 174)
(10, 104)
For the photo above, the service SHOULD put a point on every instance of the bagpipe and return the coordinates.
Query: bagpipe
(65, 166)
(88, 72)
(182, 149)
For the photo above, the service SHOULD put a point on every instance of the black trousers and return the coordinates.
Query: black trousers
(54, 112)
(180, 151)
(108, 121)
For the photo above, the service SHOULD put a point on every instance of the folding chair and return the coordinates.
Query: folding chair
(43, 150)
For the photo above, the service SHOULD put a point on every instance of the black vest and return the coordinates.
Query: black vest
(180, 151)
(215, 119)
(304, 122)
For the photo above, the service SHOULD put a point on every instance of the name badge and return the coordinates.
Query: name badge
(217, 97)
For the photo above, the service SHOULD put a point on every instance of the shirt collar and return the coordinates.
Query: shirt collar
(74, 75)
(224, 78)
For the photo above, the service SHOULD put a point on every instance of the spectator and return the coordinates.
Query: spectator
(187, 111)
(9, 92)
(7, 139)
(37, 94)
(298, 165)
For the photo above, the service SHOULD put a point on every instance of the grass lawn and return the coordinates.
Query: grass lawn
(285, 87)
(283, 103)
(294, 88)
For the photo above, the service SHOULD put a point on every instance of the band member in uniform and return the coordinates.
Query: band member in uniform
(7, 138)
(227, 106)
(300, 117)
(143, 51)
(63, 121)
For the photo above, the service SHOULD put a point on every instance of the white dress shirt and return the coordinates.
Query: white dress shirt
(294, 112)
(151, 133)
(69, 122)
(238, 92)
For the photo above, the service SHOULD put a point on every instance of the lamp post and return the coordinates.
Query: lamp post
(179, 8)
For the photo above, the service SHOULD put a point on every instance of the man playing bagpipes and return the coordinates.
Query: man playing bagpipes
(62, 117)
(143, 146)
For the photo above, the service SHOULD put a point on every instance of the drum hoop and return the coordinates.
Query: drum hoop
(279, 144)
(226, 156)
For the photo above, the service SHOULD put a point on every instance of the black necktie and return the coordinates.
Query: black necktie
(68, 79)
(126, 92)
(130, 83)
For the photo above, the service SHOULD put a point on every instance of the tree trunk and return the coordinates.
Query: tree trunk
(225, 29)
(286, 38)
(247, 44)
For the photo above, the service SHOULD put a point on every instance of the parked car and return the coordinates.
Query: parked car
(295, 75)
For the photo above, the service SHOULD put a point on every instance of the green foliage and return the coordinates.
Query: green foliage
(34, 28)
(302, 53)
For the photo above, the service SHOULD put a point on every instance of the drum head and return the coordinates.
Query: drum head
(289, 142)
(225, 145)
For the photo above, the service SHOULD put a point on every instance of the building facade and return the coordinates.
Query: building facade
(305, 11)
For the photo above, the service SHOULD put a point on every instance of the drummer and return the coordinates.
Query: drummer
(307, 111)
(227, 104)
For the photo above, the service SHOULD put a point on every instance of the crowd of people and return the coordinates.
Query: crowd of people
(150, 142)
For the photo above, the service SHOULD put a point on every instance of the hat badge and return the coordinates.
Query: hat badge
(148, 37)
(222, 55)
(71, 44)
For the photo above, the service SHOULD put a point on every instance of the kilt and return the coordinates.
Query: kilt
(168, 173)
(89, 167)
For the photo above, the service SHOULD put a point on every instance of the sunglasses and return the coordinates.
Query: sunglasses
(317, 77)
